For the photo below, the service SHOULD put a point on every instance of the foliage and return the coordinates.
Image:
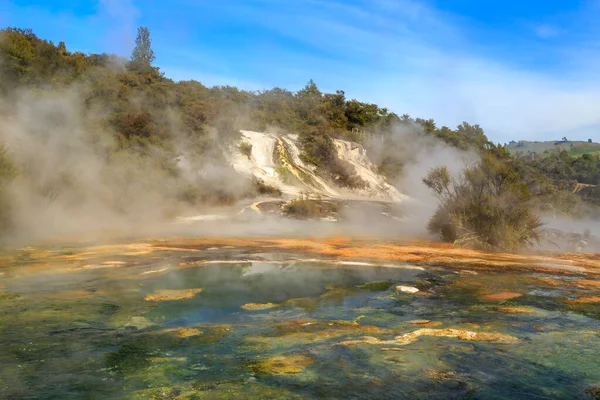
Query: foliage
(309, 209)
(284, 174)
(487, 207)
(148, 116)
(344, 175)
(7, 172)
(263, 189)
(319, 150)
(246, 149)
(142, 56)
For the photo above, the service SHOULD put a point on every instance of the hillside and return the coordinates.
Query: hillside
(276, 160)
(96, 141)
(574, 148)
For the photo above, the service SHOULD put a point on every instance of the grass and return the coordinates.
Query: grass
(579, 152)
(580, 147)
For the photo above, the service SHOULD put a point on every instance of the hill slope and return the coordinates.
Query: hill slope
(276, 160)
(574, 148)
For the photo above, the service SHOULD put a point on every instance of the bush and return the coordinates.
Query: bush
(319, 150)
(266, 190)
(344, 175)
(284, 174)
(309, 209)
(487, 207)
(7, 173)
(246, 149)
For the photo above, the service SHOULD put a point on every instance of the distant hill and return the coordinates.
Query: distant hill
(575, 148)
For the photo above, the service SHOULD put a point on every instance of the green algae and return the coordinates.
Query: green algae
(90, 334)
(376, 286)
(8, 296)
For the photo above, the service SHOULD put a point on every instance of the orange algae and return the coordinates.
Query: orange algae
(502, 296)
(517, 310)
(424, 322)
(187, 332)
(411, 337)
(588, 299)
(412, 251)
(172, 294)
(586, 282)
(284, 364)
(259, 306)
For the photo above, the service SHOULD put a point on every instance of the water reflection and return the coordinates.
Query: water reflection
(269, 325)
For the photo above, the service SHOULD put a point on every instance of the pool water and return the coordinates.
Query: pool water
(260, 325)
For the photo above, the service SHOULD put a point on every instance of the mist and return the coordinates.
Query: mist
(419, 153)
(73, 178)
(77, 176)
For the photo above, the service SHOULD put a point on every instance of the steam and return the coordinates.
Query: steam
(419, 153)
(73, 178)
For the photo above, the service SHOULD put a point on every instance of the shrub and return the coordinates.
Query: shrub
(319, 150)
(284, 174)
(344, 175)
(309, 209)
(246, 149)
(487, 207)
(7, 173)
(190, 194)
(266, 190)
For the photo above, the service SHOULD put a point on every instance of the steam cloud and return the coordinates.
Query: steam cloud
(73, 179)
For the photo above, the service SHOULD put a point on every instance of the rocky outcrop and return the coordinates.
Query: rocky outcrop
(275, 159)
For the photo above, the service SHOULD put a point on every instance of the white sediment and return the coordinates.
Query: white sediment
(265, 162)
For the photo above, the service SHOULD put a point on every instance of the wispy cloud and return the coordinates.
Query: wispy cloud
(119, 18)
(547, 31)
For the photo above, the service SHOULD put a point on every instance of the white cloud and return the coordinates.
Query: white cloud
(401, 54)
(416, 60)
(546, 31)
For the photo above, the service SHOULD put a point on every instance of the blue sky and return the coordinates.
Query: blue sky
(521, 69)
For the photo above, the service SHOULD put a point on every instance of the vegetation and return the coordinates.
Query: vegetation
(7, 173)
(319, 150)
(136, 114)
(309, 209)
(142, 56)
(246, 149)
(527, 148)
(284, 174)
(487, 207)
(263, 189)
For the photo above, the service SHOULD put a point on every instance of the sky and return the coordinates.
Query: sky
(523, 70)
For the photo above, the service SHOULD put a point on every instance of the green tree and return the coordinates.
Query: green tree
(487, 207)
(308, 102)
(142, 56)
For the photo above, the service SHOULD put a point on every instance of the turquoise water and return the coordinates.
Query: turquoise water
(89, 333)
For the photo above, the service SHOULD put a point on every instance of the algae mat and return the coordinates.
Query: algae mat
(216, 320)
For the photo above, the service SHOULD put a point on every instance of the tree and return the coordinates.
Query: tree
(142, 56)
(486, 207)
